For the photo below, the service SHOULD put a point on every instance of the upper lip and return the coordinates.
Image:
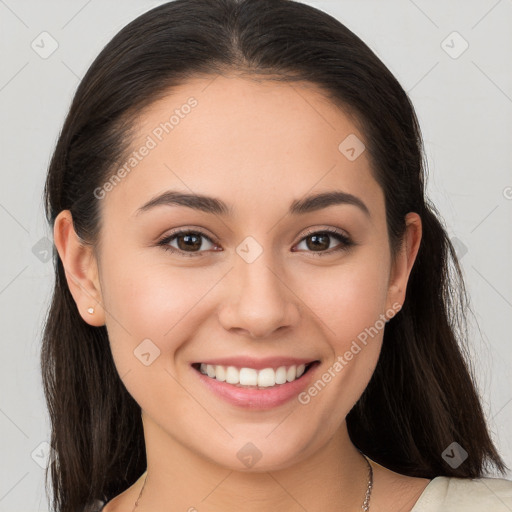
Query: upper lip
(257, 364)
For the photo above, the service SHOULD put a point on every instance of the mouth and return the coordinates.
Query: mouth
(251, 378)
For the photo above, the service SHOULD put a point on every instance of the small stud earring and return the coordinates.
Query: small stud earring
(90, 311)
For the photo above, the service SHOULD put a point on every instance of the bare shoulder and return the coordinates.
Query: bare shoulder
(393, 491)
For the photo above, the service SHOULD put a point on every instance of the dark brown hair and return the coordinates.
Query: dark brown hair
(422, 395)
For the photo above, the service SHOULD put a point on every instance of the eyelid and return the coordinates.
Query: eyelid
(164, 240)
(187, 229)
(330, 230)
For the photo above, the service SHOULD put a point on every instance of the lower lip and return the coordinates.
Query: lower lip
(258, 399)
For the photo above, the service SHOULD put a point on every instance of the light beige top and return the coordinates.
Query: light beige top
(450, 494)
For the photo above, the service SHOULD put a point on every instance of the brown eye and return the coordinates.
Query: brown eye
(189, 243)
(319, 242)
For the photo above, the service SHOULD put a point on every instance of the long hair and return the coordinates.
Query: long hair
(422, 396)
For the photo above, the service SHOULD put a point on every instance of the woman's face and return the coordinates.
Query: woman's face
(260, 280)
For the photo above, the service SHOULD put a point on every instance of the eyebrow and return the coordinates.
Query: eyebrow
(218, 207)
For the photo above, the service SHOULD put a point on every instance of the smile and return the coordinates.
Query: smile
(267, 387)
(252, 378)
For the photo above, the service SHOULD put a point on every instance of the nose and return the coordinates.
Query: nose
(258, 301)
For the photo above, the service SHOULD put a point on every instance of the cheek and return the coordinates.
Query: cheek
(151, 302)
(153, 311)
(347, 298)
(347, 301)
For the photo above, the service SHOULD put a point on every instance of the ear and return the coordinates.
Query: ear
(81, 269)
(405, 259)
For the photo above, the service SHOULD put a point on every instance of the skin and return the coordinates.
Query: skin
(257, 145)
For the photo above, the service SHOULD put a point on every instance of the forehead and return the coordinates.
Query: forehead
(248, 141)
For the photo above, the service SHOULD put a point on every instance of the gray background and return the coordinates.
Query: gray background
(464, 104)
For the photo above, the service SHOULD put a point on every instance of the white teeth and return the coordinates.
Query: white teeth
(266, 377)
(232, 375)
(281, 375)
(248, 377)
(220, 373)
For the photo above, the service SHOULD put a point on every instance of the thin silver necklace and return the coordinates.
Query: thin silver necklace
(365, 507)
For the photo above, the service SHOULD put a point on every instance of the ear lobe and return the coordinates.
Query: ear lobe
(405, 259)
(81, 269)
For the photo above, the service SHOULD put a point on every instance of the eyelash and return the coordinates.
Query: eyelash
(346, 242)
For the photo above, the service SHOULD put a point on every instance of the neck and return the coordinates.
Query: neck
(334, 478)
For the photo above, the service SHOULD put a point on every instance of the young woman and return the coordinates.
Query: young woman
(254, 305)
